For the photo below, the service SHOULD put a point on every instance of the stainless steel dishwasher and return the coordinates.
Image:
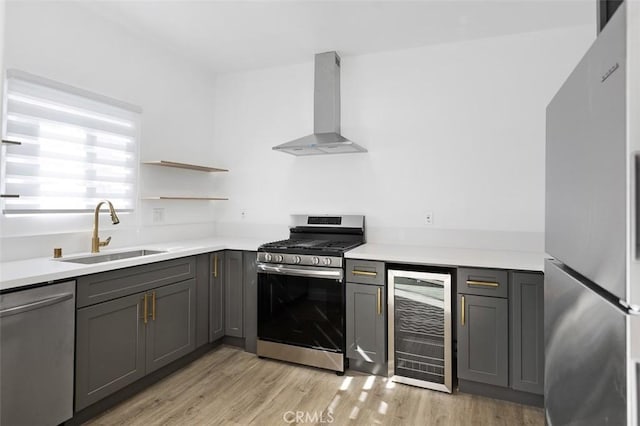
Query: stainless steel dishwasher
(36, 355)
(419, 327)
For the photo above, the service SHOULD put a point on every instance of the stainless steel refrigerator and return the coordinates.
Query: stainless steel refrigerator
(592, 284)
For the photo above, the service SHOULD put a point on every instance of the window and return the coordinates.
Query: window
(76, 148)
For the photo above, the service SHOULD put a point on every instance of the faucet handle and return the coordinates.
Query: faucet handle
(105, 242)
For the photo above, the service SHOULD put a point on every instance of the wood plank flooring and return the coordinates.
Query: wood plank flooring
(230, 386)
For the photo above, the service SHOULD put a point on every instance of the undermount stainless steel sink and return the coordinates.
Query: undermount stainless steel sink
(100, 258)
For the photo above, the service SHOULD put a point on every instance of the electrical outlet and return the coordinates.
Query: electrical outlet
(158, 215)
(429, 218)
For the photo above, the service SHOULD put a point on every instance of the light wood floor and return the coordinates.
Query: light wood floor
(229, 386)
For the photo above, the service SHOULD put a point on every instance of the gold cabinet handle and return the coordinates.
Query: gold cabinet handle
(483, 283)
(215, 266)
(365, 273)
(153, 305)
(145, 310)
(379, 304)
(462, 311)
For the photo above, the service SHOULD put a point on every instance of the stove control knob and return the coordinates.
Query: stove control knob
(296, 259)
(326, 261)
(267, 257)
(315, 260)
(279, 258)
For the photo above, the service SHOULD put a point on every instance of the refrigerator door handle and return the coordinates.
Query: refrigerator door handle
(633, 289)
(635, 205)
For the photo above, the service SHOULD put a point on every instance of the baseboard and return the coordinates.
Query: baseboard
(377, 369)
(498, 392)
(232, 341)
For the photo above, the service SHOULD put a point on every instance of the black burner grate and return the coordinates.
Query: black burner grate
(311, 244)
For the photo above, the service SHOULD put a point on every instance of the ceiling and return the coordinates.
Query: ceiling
(237, 35)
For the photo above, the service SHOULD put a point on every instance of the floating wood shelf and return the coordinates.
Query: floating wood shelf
(165, 163)
(186, 198)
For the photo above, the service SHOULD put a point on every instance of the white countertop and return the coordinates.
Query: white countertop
(44, 269)
(26, 272)
(481, 258)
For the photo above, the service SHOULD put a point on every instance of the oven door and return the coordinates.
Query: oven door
(301, 306)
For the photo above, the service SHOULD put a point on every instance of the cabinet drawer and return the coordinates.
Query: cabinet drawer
(110, 285)
(365, 272)
(483, 282)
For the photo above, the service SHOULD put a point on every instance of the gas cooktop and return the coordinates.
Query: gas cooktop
(319, 236)
(307, 245)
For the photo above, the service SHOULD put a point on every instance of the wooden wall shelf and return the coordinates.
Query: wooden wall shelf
(186, 198)
(186, 166)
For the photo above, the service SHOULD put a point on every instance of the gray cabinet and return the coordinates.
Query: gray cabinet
(120, 340)
(527, 331)
(233, 297)
(216, 297)
(202, 299)
(366, 320)
(366, 316)
(483, 339)
(500, 326)
(250, 284)
(171, 332)
(110, 348)
(234, 294)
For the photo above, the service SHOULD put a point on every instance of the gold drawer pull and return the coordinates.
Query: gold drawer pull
(153, 305)
(482, 283)
(365, 273)
(379, 305)
(462, 311)
(145, 308)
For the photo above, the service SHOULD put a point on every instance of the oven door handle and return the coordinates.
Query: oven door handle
(311, 273)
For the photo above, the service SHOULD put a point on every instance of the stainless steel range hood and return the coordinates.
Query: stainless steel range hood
(326, 137)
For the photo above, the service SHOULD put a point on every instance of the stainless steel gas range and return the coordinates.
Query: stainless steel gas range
(301, 291)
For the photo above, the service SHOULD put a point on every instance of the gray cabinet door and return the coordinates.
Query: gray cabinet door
(110, 348)
(202, 299)
(483, 339)
(216, 297)
(233, 289)
(171, 327)
(250, 280)
(365, 320)
(527, 332)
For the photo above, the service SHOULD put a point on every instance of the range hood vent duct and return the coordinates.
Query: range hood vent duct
(326, 137)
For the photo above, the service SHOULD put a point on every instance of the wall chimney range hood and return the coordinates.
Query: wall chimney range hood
(326, 137)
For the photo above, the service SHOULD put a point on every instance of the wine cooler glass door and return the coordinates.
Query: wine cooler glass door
(420, 329)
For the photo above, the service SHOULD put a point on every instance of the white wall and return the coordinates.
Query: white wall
(67, 43)
(455, 129)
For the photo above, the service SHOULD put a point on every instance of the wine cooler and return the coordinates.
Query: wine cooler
(419, 322)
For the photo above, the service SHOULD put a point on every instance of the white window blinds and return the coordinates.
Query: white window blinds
(76, 148)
